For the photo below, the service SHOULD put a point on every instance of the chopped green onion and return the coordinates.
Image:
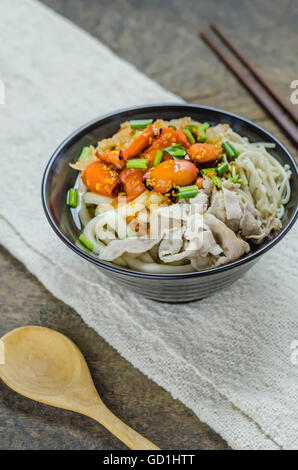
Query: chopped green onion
(173, 127)
(202, 130)
(131, 234)
(189, 136)
(158, 157)
(177, 151)
(205, 171)
(216, 181)
(72, 198)
(223, 168)
(187, 194)
(230, 150)
(188, 191)
(82, 247)
(137, 163)
(177, 157)
(192, 187)
(235, 176)
(88, 244)
(84, 153)
(140, 123)
(191, 127)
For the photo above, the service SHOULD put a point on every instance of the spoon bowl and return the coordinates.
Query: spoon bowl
(48, 367)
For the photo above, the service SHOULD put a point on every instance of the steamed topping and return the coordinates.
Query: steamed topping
(214, 189)
(112, 157)
(100, 178)
(170, 174)
(132, 181)
(202, 153)
(139, 144)
(157, 145)
(168, 138)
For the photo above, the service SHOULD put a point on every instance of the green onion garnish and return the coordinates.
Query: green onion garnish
(191, 127)
(230, 150)
(216, 181)
(72, 198)
(131, 234)
(82, 247)
(86, 242)
(158, 157)
(177, 151)
(140, 123)
(189, 136)
(235, 176)
(186, 194)
(137, 163)
(192, 187)
(188, 191)
(202, 130)
(205, 171)
(223, 168)
(173, 127)
(84, 153)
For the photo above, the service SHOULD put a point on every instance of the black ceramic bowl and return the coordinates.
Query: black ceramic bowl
(184, 287)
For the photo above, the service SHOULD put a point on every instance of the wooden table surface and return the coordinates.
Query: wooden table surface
(160, 38)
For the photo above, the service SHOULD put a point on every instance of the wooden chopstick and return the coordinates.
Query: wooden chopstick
(255, 90)
(283, 103)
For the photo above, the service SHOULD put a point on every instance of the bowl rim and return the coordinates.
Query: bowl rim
(78, 133)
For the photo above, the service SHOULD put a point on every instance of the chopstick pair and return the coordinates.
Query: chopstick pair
(267, 103)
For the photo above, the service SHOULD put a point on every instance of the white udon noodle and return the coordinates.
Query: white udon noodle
(266, 185)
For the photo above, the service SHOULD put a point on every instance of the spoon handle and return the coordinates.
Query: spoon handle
(124, 433)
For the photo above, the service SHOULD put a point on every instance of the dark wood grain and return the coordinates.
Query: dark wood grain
(160, 38)
(137, 400)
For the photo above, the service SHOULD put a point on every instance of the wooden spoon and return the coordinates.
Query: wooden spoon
(46, 366)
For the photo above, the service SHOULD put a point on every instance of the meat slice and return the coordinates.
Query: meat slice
(217, 207)
(232, 246)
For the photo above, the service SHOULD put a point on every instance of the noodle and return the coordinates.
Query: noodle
(83, 211)
(152, 234)
(266, 181)
(139, 265)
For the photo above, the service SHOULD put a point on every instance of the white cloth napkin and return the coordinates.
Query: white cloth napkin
(228, 357)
